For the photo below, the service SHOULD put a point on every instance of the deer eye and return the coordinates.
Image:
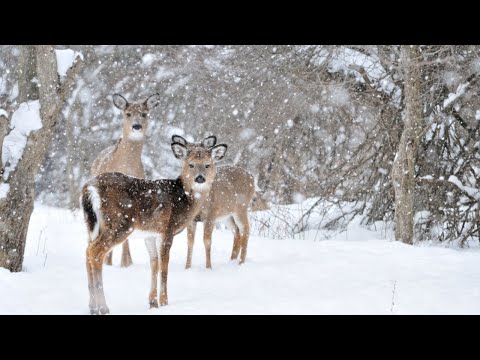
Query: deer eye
(191, 165)
(144, 114)
(207, 166)
(128, 114)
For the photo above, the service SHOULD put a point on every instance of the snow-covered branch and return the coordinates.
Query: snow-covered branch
(470, 191)
(75, 65)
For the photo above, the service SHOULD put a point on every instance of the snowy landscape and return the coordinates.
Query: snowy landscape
(356, 272)
(350, 173)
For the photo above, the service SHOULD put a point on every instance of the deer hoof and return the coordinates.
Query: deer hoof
(93, 311)
(103, 310)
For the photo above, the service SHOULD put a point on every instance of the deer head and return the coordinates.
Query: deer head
(198, 169)
(135, 115)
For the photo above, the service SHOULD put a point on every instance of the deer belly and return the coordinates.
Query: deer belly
(224, 218)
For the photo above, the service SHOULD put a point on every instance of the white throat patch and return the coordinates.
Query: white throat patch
(199, 188)
(135, 135)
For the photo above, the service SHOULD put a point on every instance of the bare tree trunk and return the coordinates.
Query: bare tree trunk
(72, 181)
(27, 70)
(4, 130)
(16, 208)
(403, 171)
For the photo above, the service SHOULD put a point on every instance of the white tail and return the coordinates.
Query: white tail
(95, 202)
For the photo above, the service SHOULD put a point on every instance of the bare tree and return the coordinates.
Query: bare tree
(38, 75)
(403, 171)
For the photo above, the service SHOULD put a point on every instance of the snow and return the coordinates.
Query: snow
(473, 192)
(4, 189)
(421, 216)
(65, 60)
(148, 59)
(427, 177)
(3, 113)
(247, 133)
(182, 82)
(172, 130)
(353, 273)
(454, 96)
(339, 95)
(24, 120)
(298, 198)
(163, 73)
(351, 61)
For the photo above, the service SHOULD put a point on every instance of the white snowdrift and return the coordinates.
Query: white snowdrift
(24, 120)
(65, 60)
(288, 276)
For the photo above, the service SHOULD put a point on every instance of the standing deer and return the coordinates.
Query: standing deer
(115, 204)
(231, 194)
(125, 156)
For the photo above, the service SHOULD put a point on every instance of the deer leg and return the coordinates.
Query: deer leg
(92, 304)
(236, 242)
(126, 256)
(108, 258)
(244, 227)
(207, 240)
(191, 239)
(165, 257)
(96, 252)
(150, 243)
(95, 256)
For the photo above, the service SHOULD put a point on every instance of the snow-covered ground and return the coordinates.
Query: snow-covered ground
(356, 272)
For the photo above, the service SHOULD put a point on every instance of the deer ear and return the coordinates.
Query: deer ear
(152, 101)
(218, 152)
(209, 141)
(179, 139)
(179, 151)
(119, 101)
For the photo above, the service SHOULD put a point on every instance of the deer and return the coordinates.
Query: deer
(125, 156)
(230, 196)
(115, 204)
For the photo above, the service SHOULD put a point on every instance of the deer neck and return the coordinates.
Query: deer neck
(128, 149)
(196, 197)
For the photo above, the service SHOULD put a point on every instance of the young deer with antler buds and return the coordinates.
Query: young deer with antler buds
(125, 156)
(231, 194)
(115, 204)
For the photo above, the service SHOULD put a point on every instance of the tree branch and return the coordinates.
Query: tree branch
(64, 87)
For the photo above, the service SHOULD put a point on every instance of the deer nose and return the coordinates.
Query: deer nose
(136, 127)
(200, 179)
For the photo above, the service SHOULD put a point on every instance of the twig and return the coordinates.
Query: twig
(393, 295)
(39, 239)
